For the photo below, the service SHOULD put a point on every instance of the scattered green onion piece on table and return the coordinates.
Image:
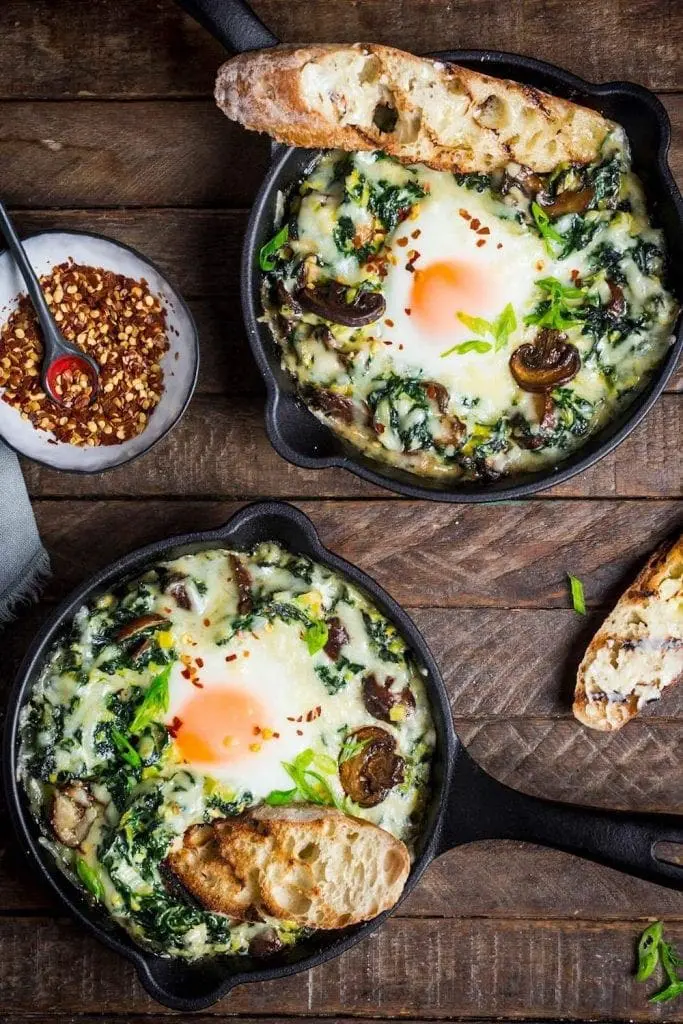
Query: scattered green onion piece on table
(265, 259)
(671, 961)
(672, 991)
(90, 878)
(648, 951)
(578, 598)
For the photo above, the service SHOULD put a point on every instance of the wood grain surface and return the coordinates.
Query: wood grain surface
(106, 122)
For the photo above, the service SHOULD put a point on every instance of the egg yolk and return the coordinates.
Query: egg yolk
(443, 289)
(218, 725)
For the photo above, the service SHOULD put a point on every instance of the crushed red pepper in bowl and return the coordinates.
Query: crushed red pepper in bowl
(113, 318)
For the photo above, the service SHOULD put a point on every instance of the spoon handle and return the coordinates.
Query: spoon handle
(30, 277)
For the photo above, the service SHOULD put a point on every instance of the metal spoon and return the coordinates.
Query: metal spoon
(59, 355)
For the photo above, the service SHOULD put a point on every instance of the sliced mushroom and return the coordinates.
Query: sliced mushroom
(617, 302)
(550, 361)
(368, 775)
(141, 648)
(337, 636)
(175, 586)
(380, 699)
(566, 202)
(265, 943)
(437, 393)
(151, 621)
(330, 403)
(329, 302)
(72, 813)
(285, 298)
(243, 581)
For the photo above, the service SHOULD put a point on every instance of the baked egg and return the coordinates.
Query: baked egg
(216, 682)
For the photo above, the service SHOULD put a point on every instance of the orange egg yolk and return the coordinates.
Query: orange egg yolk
(218, 725)
(443, 289)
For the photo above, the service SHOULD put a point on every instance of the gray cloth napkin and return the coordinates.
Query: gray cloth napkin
(24, 562)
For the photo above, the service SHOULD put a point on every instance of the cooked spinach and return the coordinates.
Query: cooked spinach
(392, 203)
(334, 677)
(384, 637)
(648, 257)
(475, 182)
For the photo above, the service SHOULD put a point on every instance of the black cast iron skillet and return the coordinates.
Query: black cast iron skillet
(467, 804)
(294, 432)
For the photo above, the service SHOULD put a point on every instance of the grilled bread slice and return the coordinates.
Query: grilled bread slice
(311, 865)
(638, 650)
(368, 97)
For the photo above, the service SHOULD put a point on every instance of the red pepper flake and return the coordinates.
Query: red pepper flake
(400, 348)
(484, 231)
(482, 241)
(410, 268)
(575, 276)
(207, 622)
(186, 674)
(402, 242)
(379, 428)
(499, 246)
(168, 611)
(465, 215)
(388, 343)
(231, 657)
(388, 322)
(413, 255)
(256, 730)
(200, 686)
(408, 312)
(172, 729)
(290, 719)
(200, 662)
(475, 224)
(299, 719)
(245, 654)
(276, 735)
(416, 233)
(299, 732)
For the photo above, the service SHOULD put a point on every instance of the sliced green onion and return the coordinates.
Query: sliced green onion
(316, 636)
(127, 752)
(467, 346)
(155, 704)
(279, 797)
(265, 257)
(476, 324)
(90, 878)
(672, 991)
(578, 599)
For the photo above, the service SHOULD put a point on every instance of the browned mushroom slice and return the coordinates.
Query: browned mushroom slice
(285, 298)
(375, 768)
(617, 303)
(566, 202)
(265, 943)
(329, 302)
(176, 587)
(330, 403)
(243, 581)
(72, 813)
(437, 393)
(380, 699)
(151, 621)
(337, 636)
(550, 361)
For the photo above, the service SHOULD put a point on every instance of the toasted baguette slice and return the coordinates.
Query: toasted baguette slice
(638, 650)
(201, 870)
(367, 97)
(311, 865)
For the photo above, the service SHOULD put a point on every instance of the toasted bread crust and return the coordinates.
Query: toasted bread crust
(442, 115)
(642, 636)
(311, 865)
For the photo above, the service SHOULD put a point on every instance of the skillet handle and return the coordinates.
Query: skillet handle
(479, 807)
(231, 22)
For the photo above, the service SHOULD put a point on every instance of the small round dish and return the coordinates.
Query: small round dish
(180, 364)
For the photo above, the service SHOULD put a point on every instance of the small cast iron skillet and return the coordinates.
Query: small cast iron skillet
(466, 805)
(294, 432)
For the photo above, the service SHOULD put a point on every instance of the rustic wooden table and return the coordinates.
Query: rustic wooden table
(107, 122)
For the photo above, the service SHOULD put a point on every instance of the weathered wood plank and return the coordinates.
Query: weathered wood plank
(427, 555)
(147, 153)
(127, 154)
(469, 968)
(221, 448)
(145, 49)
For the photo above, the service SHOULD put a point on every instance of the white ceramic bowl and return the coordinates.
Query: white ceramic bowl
(180, 364)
